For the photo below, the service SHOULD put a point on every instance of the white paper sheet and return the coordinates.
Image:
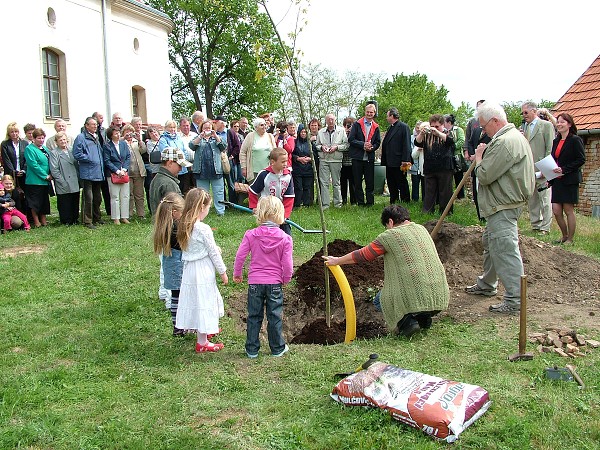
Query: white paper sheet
(546, 166)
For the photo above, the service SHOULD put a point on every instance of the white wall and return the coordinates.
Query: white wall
(78, 33)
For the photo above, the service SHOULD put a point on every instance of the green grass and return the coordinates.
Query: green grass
(87, 359)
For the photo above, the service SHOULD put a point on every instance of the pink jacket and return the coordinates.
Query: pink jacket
(271, 255)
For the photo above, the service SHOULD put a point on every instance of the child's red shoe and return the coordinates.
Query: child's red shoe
(208, 347)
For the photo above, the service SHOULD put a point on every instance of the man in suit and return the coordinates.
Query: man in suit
(395, 156)
(540, 135)
(364, 139)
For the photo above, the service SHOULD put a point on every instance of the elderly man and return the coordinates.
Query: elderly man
(88, 152)
(197, 118)
(395, 156)
(540, 135)
(244, 129)
(136, 123)
(331, 143)
(504, 169)
(117, 121)
(59, 125)
(364, 140)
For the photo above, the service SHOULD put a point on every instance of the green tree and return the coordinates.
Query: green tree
(513, 110)
(414, 95)
(223, 56)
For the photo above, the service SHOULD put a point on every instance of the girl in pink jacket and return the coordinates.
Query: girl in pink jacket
(270, 268)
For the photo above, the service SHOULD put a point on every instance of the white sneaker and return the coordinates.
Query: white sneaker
(282, 352)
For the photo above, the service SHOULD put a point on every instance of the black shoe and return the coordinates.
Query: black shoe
(407, 327)
(91, 226)
(424, 321)
(178, 332)
(100, 222)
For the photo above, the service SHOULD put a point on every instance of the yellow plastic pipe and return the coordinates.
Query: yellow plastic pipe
(342, 282)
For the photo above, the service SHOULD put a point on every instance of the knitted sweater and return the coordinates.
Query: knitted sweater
(414, 277)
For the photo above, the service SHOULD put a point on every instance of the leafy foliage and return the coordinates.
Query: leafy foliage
(325, 91)
(224, 57)
(415, 97)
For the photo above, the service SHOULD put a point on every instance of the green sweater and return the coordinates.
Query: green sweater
(414, 277)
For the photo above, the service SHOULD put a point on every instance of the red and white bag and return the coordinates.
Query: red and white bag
(440, 408)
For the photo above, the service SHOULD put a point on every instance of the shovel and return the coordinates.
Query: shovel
(288, 221)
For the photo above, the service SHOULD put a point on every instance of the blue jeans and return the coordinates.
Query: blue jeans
(218, 192)
(258, 296)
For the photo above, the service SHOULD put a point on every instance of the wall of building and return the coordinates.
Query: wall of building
(589, 190)
(77, 32)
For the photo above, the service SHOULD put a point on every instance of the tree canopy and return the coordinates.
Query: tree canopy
(416, 98)
(224, 57)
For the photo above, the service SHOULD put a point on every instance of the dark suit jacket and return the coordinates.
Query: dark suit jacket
(9, 157)
(572, 157)
(395, 148)
(357, 140)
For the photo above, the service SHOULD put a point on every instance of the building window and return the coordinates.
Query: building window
(51, 15)
(138, 103)
(51, 72)
(134, 102)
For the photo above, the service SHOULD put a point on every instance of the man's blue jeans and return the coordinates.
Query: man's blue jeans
(260, 295)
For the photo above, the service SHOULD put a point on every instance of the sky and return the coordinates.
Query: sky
(508, 51)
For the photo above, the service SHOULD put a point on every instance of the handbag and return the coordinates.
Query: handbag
(118, 179)
(225, 163)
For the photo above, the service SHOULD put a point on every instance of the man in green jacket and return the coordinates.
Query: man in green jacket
(504, 168)
(165, 180)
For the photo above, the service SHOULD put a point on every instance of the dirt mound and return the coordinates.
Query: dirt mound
(310, 275)
(562, 288)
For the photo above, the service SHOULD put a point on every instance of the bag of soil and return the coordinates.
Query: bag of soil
(441, 408)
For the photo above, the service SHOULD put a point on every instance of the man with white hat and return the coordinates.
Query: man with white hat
(165, 180)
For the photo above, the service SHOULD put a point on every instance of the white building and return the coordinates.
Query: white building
(69, 58)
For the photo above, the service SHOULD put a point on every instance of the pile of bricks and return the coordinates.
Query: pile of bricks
(563, 341)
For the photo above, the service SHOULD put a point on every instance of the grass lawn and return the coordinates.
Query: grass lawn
(88, 361)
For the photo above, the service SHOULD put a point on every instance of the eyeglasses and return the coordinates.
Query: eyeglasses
(348, 125)
(236, 126)
(483, 126)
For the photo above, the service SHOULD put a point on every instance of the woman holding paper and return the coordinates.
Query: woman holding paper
(567, 151)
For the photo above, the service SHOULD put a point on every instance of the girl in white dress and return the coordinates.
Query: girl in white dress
(200, 302)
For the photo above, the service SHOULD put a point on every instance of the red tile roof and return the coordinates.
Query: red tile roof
(582, 100)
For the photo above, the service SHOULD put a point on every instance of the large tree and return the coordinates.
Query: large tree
(224, 57)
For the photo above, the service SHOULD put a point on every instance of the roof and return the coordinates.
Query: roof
(582, 100)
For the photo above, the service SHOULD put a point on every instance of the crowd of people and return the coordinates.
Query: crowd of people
(112, 165)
